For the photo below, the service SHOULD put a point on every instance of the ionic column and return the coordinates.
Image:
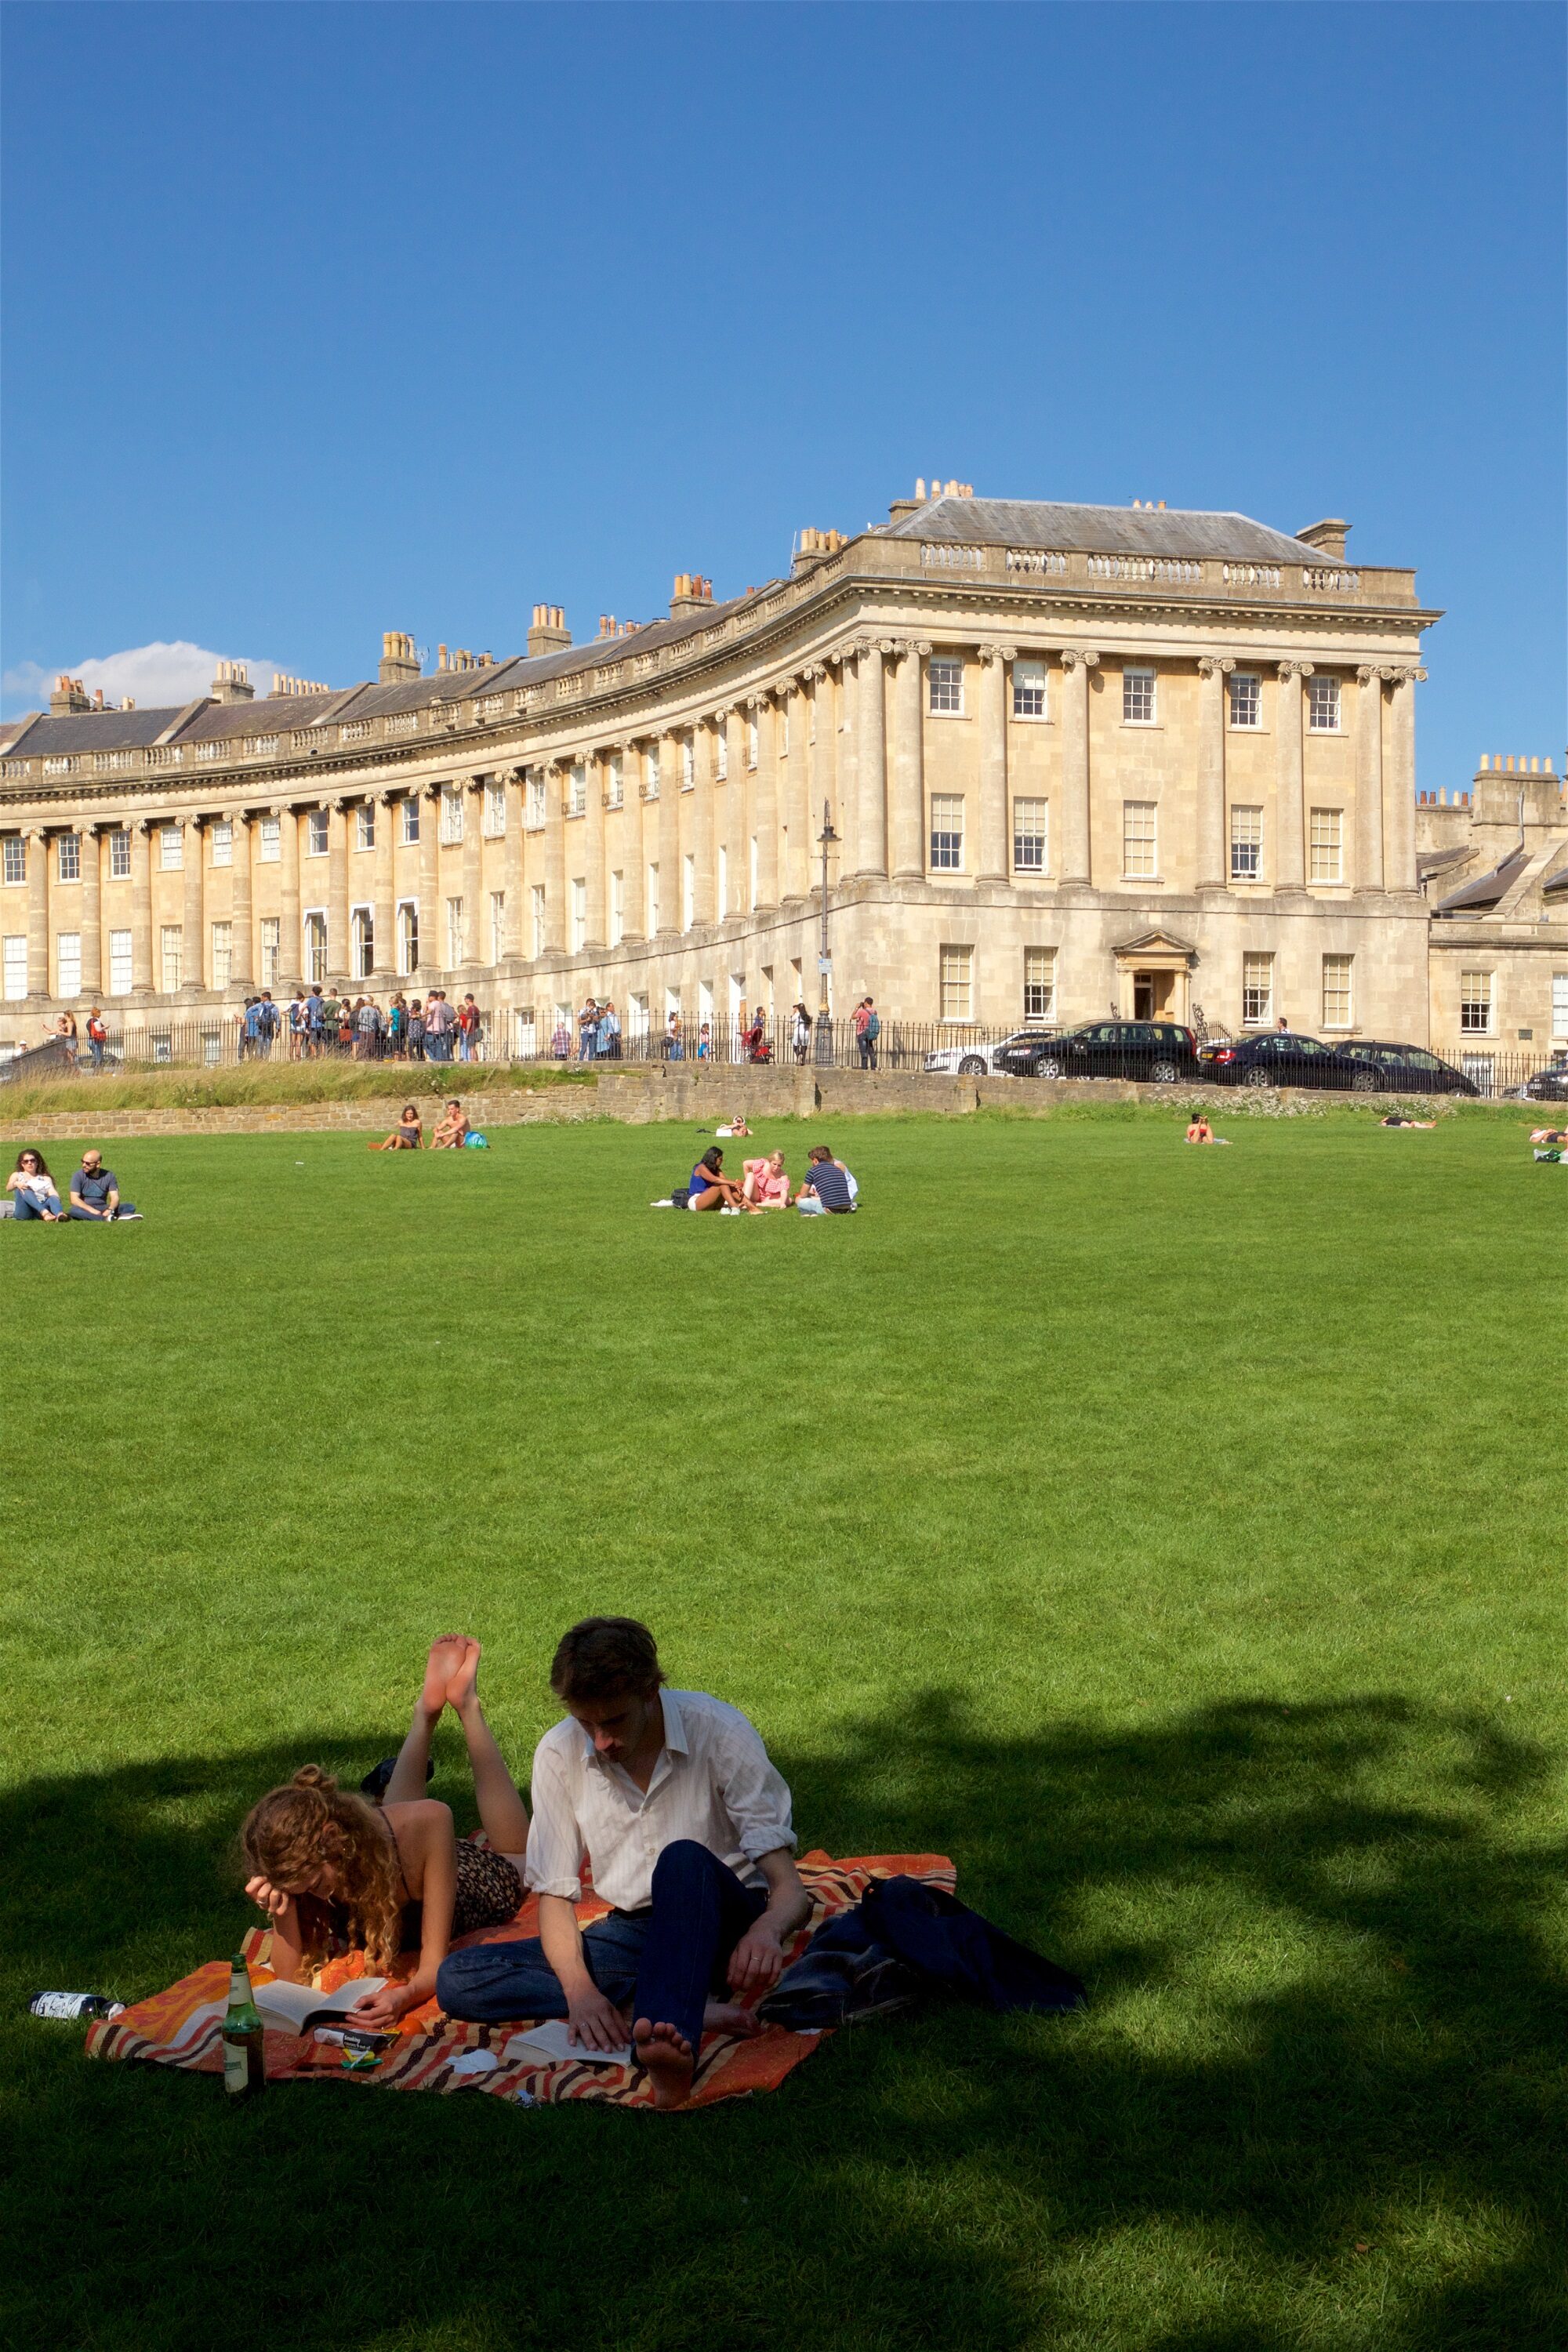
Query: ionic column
(554, 859)
(1369, 779)
(288, 943)
(340, 961)
(1289, 815)
(383, 918)
(1212, 872)
(472, 790)
(669, 894)
(871, 754)
(141, 906)
(1399, 781)
(37, 855)
(241, 952)
(91, 912)
(794, 791)
(514, 883)
(844, 795)
(820, 747)
(703, 814)
(993, 661)
(595, 927)
(429, 798)
(765, 808)
(1076, 668)
(193, 914)
(906, 814)
(740, 857)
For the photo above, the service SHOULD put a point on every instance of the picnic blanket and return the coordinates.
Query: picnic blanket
(182, 2026)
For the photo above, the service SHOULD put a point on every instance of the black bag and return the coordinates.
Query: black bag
(680, 1195)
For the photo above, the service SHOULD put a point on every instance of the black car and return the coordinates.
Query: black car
(1160, 1051)
(1376, 1068)
(1277, 1058)
(1549, 1085)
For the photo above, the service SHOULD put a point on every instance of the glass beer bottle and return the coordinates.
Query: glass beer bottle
(244, 2063)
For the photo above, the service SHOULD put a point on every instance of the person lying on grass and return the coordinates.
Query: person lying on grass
(671, 1798)
(315, 1850)
(408, 1135)
(710, 1187)
(767, 1185)
(1200, 1131)
(451, 1128)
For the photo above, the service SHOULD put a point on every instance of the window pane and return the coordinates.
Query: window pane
(119, 963)
(1030, 836)
(1039, 983)
(1245, 701)
(1257, 990)
(1323, 704)
(1337, 992)
(1138, 697)
(70, 866)
(223, 843)
(67, 964)
(1139, 843)
(1245, 843)
(1476, 1003)
(1028, 689)
(411, 820)
(947, 833)
(171, 848)
(118, 858)
(1326, 861)
(956, 970)
(171, 944)
(945, 681)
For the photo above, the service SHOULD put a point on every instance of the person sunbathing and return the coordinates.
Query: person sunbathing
(737, 1127)
(766, 1186)
(711, 1188)
(408, 1135)
(1553, 1136)
(451, 1128)
(313, 1849)
(1397, 1119)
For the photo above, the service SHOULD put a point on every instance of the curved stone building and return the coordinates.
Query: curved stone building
(1075, 759)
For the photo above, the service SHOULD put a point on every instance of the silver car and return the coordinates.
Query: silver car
(977, 1061)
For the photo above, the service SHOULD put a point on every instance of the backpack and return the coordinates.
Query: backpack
(874, 1027)
(476, 1142)
(680, 1195)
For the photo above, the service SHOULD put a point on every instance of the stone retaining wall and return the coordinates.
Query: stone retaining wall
(700, 1097)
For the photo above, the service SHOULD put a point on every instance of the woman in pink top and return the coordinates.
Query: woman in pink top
(767, 1185)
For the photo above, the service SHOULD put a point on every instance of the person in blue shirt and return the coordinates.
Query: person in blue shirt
(826, 1189)
(711, 1188)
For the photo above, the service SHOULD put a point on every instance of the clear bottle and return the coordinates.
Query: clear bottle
(244, 2061)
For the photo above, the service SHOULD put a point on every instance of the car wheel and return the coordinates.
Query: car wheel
(1163, 1073)
(972, 1066)
(1363, 1081)
(1256, 1076)
(1049, 1068)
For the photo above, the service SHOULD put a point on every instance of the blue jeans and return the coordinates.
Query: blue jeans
(26, 1206)
(125, 1209)
(662, 1963)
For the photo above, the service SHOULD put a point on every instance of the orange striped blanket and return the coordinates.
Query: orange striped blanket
(181, 2026)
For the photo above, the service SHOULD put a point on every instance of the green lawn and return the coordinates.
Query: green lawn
(1173, 1538)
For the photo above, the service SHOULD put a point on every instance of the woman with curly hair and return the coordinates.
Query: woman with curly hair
(313, 1848)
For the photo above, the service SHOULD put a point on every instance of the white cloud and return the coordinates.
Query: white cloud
(151, 675)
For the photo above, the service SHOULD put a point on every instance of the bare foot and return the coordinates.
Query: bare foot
(463, 1684)
(668, 2057)
(446, 1657)
(729, 2017)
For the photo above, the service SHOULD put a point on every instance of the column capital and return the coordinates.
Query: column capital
(1400, 677)
(1214, 664)
(812, 672)
(989, 653)
(1075, 656)
(1290, 669)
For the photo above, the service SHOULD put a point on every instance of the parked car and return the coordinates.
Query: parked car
(1376, 1068)
(1160, 1051)
(1549, 1085)
(976, 1061)
(1278, 1058)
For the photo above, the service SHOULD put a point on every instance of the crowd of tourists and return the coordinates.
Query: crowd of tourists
(317, 1021)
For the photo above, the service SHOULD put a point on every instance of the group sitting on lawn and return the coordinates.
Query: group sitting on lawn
(93, 1195)
(828, 1188)
(451, 1130)
(669, 1797)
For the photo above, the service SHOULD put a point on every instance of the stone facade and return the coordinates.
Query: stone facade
(1077, 759)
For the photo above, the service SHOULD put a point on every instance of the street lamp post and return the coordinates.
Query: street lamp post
(822, 1042)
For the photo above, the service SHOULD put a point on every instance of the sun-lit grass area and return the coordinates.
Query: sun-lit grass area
(1172, 1537)
(148, 1086)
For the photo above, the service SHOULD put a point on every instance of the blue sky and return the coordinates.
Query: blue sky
(327, 321)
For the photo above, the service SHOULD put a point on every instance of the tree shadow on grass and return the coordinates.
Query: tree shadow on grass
(1325, 2019)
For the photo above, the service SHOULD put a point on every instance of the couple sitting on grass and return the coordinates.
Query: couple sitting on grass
(669, 1797)
(828, 1189)
(450, 1134)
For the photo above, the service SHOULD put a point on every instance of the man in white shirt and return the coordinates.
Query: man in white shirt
(671, 1798)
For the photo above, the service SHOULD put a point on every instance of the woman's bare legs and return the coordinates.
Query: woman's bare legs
(502, 1813)
(407, 1781)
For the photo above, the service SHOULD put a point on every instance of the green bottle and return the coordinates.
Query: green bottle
(244, 2063)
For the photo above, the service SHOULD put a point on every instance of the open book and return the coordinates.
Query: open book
(296, 2007)
(547, 2044)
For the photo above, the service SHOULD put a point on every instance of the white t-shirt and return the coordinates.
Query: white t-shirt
(713, 1782)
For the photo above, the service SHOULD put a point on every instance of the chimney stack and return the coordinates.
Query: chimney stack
(550, 633)
(692, 592)
(399, 660)
(1329, 538)
(232, 683)
(69, 694)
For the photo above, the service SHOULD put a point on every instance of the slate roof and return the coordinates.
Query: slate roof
(1100, 531)
(1487, 888)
